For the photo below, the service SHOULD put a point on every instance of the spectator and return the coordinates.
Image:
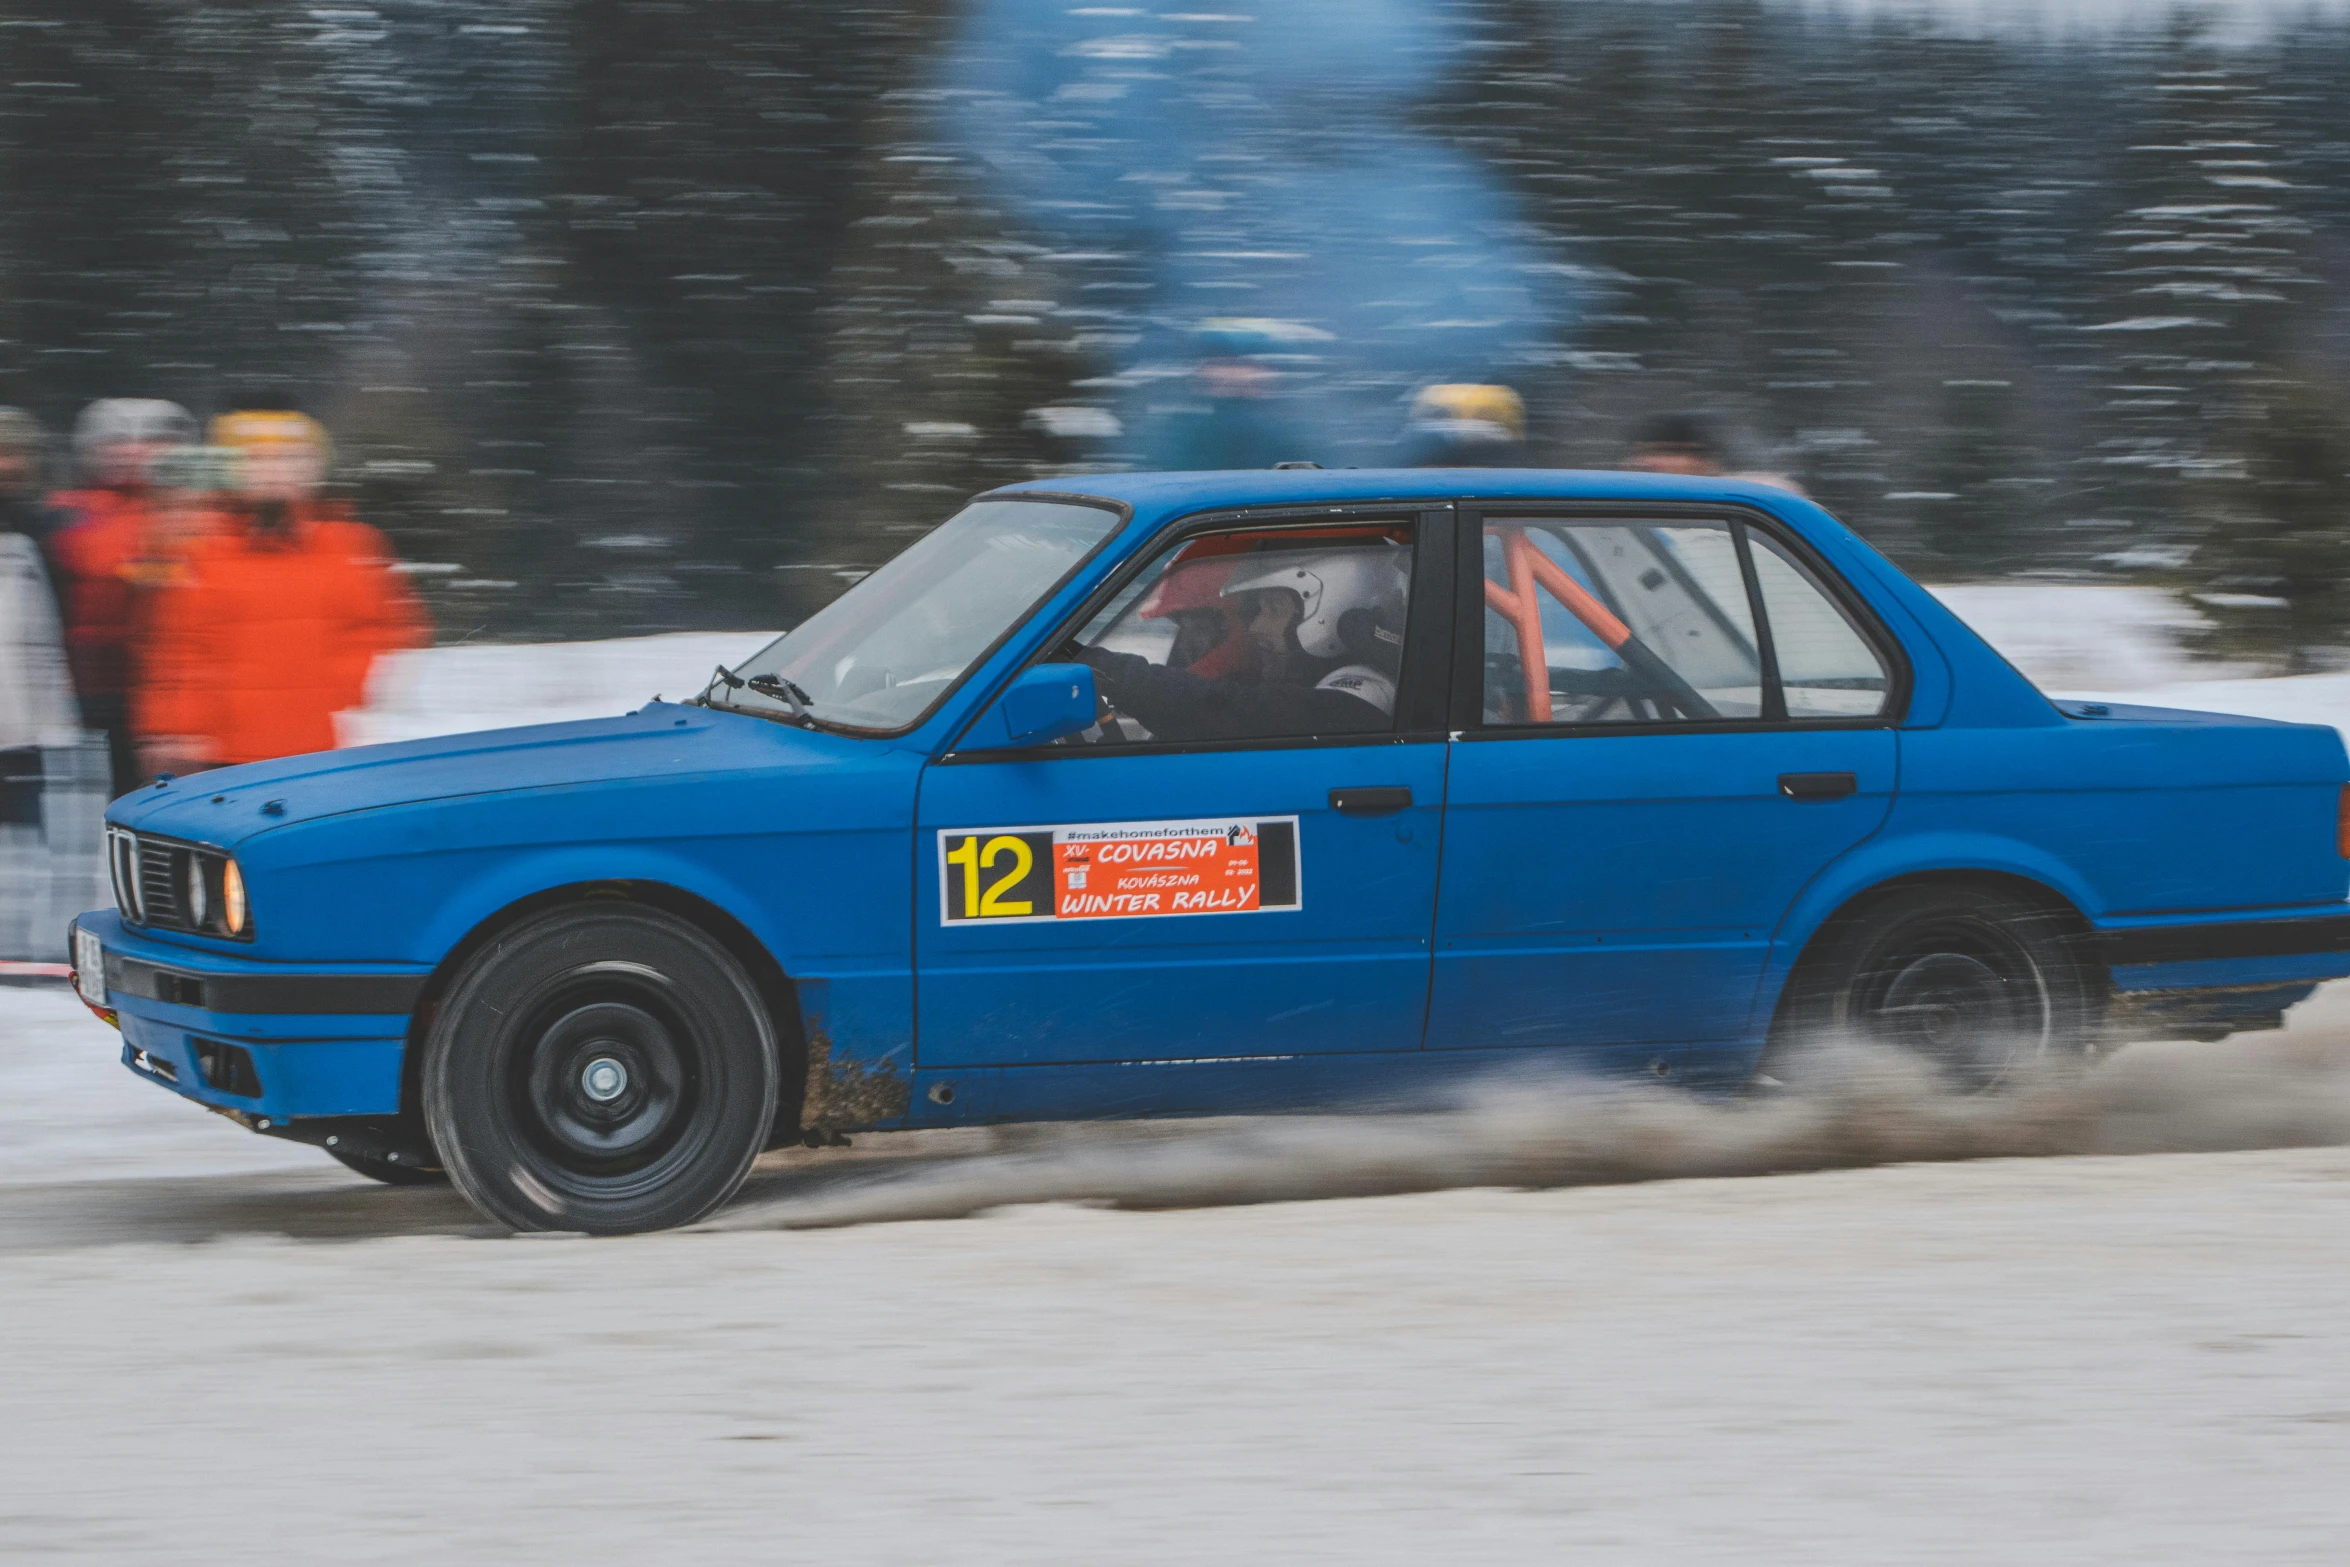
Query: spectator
(1683, 443)
(36, 697)
(1693, 444)
(1235, 416)
(23, 510)
(1464, 424)
(116, 442)
(190, 486)
(276, 615)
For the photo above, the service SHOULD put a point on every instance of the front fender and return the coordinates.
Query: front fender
(814, 863)
(499, 886)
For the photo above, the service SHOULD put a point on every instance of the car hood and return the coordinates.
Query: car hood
(660, 740)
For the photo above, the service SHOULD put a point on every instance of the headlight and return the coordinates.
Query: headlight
(197, 889)
(122, 859)
(232, 897)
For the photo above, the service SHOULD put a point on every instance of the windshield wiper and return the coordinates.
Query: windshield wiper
(775, 686)
(783, 690)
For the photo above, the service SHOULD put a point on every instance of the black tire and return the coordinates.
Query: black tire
(389, 1173)
(606, 1068)
(1985, 986)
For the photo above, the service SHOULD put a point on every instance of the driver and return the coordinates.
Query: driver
(1325, 634)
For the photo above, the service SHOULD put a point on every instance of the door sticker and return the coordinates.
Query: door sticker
(1118, 870)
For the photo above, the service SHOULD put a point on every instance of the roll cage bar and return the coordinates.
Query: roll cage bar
(1528, 569)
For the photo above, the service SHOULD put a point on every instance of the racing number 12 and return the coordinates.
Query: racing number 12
(992, 904)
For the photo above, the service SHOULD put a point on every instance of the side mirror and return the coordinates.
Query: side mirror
(1044, 704)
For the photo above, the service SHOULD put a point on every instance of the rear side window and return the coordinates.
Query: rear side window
(1826, 667)
(1628, 622)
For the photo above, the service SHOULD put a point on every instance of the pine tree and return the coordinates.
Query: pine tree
(2273, 575)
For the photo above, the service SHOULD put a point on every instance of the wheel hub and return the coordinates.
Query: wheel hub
(1965, 1010)
(607, 1085)
(604, 1080)
(1938, 994)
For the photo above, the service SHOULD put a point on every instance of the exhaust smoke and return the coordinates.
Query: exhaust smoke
(1287, 171)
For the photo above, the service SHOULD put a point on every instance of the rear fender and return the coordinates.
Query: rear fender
(1879, 861)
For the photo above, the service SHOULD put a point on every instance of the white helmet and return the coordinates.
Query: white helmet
(1334, 584)
(150, 419)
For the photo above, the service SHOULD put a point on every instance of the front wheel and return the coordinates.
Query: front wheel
(1983, 986)
(606, 1068)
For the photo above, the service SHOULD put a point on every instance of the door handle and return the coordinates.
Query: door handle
(1817, 786)
(1377, 800)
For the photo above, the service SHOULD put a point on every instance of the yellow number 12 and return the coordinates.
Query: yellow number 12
(993, 904)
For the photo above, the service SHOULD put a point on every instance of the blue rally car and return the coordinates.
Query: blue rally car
(1216, 792)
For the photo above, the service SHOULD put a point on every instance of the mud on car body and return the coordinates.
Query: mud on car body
(1205, 793)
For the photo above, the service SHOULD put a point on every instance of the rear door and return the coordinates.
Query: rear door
(1668, 724)
(1253, 877)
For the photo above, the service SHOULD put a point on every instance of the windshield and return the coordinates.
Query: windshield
(882, 654)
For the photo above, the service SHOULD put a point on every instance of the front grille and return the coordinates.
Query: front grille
(159, 891)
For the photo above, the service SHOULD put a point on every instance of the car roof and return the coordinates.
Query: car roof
(1160, 493)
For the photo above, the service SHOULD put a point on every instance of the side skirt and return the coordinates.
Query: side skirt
(1265, 1085)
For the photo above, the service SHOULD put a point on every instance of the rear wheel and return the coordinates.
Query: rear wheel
(1982, 985)
(603, 1068)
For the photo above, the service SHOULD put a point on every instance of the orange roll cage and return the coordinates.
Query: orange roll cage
(1529, 567)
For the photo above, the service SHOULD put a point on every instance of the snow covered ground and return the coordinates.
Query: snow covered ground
(2126, 1361)
(2070, 636)
(1113, 1345)
(70, 1110)
(450, 690)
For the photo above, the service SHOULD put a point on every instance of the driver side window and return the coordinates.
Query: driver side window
(1254, 634)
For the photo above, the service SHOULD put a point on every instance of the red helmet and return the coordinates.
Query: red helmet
(1190, 583)
(1192, 590)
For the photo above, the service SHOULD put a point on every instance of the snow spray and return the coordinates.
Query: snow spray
(1855, 1108)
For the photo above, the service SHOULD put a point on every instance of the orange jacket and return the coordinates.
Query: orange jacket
(92, 558)
(263, 640)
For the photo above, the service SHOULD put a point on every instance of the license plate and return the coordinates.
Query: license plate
(89, 967)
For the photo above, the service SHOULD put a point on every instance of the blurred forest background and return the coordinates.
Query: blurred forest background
(635, 315)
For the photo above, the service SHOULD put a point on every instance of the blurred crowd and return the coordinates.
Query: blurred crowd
(200, 598)
(196, 597)
(1246, 404)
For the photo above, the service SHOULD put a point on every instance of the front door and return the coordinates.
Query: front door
(1670, 725)
(1239, 860)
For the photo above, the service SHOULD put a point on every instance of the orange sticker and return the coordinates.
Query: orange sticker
(1119, 870)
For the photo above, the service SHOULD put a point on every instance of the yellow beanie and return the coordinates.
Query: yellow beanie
(1469, 400)
(258, 429)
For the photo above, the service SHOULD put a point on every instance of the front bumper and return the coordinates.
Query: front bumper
(274, 1040)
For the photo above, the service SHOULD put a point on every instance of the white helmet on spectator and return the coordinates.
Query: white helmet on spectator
(123, 421)
(1351, 600)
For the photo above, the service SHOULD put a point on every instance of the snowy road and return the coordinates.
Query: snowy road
(2105, 1358)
